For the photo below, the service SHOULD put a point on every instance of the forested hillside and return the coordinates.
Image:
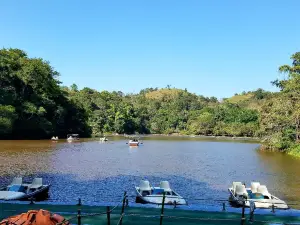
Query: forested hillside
(33, 104)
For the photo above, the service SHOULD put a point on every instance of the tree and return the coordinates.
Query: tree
(74, 87)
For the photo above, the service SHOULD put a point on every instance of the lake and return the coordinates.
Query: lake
(100, 172)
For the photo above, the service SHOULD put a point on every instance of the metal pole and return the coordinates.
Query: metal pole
(273, 208)
(108, 215)
(79, 202)
(79, 217)
(224, 209)
(123, 207)
(243, 214)
(252, 209)
(162, 209)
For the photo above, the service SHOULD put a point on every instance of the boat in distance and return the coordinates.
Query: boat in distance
(18, 190)
(134, 142)
(154, 195)
(72, 137)
(256, 194)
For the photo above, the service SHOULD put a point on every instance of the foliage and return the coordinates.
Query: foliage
(280, 116)
(32, 104)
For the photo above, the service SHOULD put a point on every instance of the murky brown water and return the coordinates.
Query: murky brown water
(100, 172)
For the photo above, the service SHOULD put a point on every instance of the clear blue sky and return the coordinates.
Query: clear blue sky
(211, 47)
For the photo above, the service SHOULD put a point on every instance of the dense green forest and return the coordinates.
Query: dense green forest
(33, 104)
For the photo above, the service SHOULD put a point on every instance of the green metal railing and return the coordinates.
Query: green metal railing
(121, 214)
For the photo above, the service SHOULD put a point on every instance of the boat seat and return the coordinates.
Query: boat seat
(145, 185)
(263, 190)
(234, 184)
(36, 183)
(254, 186)
(165, 185)
(241, 190)
(17, 181)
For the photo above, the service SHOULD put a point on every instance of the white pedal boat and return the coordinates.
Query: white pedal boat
(257, 194)
(154, 195)
(18, 190)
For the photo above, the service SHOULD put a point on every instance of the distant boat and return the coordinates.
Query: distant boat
(154, 195)
(134, 142)
(103, 139)
(72, 137)
(18, 190)
(257, 194)
(54, 138)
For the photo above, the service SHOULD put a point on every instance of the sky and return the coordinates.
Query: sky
(211, 47)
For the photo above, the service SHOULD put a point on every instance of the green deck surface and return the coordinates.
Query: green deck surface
(147, 216)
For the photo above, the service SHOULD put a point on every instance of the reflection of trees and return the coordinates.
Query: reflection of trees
(282, 173)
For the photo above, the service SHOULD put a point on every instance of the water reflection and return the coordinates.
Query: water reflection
(283, 174)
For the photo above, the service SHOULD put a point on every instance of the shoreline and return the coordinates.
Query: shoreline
(256, 139)
(175, 135)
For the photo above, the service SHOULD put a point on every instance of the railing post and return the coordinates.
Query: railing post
(31, 201)
(273, 208)
(224, 209)
(252, 208)
(162, 209)
(108, 215)
(79, 217)
(79, 202)
(123, 208)
(243, 214)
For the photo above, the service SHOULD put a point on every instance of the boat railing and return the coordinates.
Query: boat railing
(121, 213)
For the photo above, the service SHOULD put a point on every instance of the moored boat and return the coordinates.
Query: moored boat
(18, 190)
(54, 138)
(103, 139)
(147, 194)
(72, 137)
(257, 194)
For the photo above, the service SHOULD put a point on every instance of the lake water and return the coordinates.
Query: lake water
(101, 172)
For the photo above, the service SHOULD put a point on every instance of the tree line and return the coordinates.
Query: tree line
(33, 104)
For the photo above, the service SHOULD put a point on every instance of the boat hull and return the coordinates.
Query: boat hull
(39, 194)
(158, 200)
(134, 144)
